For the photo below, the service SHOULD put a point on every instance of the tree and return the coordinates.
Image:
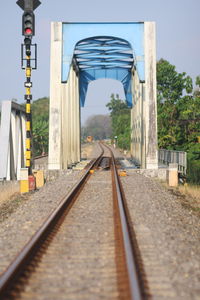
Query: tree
(171, 86)
(179, 115)
(40, 125)
(120, 116)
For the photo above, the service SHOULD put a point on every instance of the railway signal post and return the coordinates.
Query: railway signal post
(28, 63)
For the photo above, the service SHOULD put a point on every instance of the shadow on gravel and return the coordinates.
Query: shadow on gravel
(186, 201)
(10, 206)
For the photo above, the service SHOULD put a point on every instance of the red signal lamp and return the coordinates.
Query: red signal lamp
(28, 31)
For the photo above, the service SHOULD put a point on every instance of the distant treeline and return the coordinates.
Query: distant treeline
(97, 126)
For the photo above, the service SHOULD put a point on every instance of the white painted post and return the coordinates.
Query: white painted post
(64, 141)
(137, 134)
(150, 96)
(68, 122)
(55, 109)
(78, 123)
(74, 116)
(72, 101)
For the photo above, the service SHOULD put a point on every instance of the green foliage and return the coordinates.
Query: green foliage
(120, 120)
(193, 171)
(170, 84)
(172, 104)
(40, 125)
(179, 114)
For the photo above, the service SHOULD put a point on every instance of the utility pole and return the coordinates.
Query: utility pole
(27, 49)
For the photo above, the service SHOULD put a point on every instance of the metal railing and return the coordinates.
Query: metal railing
(167, 157)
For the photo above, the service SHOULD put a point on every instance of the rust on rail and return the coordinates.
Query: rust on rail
(132, 282)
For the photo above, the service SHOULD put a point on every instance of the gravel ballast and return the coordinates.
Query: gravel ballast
(79, 263)
(168, 237)
(20, 225)
(167, 232)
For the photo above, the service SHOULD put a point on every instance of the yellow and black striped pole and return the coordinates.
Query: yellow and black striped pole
(28, 31)
(28, 98)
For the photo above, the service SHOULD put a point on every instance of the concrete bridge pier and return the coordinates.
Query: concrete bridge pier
(55, 106)
(144, 111)
(70, 122)
(64, 122)
(137, 121)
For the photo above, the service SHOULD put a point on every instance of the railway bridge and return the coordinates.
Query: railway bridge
(83, 52)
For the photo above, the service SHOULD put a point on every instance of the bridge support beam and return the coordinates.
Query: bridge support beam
(64, 122)
(144, 111)
(12, 140)
(70, 150)
(138, 139)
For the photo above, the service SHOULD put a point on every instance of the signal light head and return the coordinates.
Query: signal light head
(28, 23)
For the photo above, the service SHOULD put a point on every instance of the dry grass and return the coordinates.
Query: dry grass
(10, 199)
(7, 190)
(188, 195)
(190, 190)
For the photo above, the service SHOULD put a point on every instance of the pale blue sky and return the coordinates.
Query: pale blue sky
(178, 40)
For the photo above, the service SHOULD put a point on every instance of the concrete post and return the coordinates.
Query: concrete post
(55, 108)
(144, 111)
(137, 121)
(78, 122)
(75, 118)
(63, 109)
(72, 114)
(64, 150)
(69, 147)
(70, 152)
(66, 123)
(150, 96)
(173, 175)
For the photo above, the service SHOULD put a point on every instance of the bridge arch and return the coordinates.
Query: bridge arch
(104, 57)
(72, 33)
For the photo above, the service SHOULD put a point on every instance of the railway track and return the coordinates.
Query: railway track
(77, 255)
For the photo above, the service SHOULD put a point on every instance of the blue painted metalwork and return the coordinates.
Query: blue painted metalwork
(103, 50)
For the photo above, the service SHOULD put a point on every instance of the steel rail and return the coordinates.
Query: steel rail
(136, 290)
(30, 250)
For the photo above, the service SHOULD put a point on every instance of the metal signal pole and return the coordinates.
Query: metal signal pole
(28, 31)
